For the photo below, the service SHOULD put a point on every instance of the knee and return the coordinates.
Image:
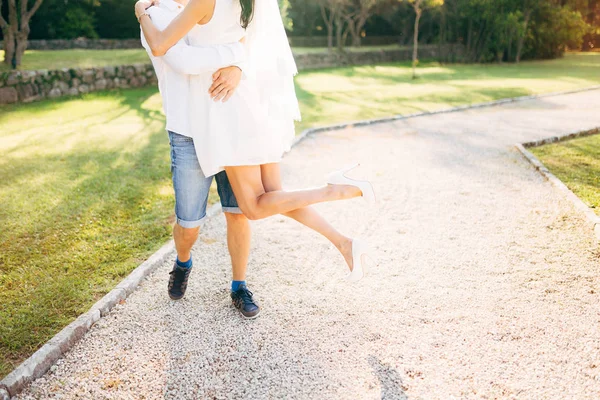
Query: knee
(235, 218)
(252, 215)
(187, 234)
(271, 187)
(251, 212)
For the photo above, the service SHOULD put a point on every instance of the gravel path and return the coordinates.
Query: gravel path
(487, 285)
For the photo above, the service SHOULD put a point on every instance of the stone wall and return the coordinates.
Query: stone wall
(28, 86)
(335, 59)
(321, 41)
(90, 44)
(111, 44)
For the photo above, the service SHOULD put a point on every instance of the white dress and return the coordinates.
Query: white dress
(244, 130)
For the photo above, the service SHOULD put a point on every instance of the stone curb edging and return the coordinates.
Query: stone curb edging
(41, 361)
(592, 217)
(561, 138)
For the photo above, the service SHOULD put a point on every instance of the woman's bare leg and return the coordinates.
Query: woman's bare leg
(271, 178)
(256, 203)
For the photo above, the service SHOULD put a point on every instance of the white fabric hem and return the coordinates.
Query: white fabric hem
(266, 160)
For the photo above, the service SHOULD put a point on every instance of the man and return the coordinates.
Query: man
(191, 186)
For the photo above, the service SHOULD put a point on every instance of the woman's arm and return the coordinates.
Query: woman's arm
(192, 60)
(161, 41)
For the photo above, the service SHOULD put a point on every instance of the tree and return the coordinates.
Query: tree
(113, 20)
(65, 19)
(16, 29)
(592, 17)
(284, 6)
(358, 12)
(419, 6)
(528, 8)
(306, 18)
(331, 11)
(513, 30)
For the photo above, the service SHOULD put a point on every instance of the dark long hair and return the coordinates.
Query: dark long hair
(247, 12)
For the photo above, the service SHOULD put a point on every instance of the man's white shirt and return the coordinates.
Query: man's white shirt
(182, 60)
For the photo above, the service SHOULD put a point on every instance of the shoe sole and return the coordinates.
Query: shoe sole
(244, 316)
(250, 318)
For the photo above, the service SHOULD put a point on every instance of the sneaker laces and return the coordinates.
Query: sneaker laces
(246, 296)
(179, 277)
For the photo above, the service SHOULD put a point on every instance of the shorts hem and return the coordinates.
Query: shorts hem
(231, 210)
(190, 224)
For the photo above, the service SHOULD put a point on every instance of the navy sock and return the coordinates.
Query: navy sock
(187, 264)
(235, 285)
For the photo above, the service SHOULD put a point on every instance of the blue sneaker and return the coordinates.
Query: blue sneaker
(243, 301)
(178, 281)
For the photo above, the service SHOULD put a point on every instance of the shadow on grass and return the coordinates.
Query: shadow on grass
(573, 66)
(359, 104)
(32, 110)
(69, 238)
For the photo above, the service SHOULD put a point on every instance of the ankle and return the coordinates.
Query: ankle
(344, 244)
(184, 264)
(331, 192)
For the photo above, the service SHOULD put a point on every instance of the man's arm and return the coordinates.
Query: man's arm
(194, 60)
(156, 62)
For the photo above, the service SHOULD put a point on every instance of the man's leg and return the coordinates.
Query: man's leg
(184, 241)
(238, 242)
(191, 195)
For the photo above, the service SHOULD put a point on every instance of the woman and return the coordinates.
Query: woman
(248, 135)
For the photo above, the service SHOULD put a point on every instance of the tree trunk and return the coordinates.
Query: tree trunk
(339, 30)
(470, 36)
(360, 24)
(522, 37)
(329, 37)
(16, 30)
(442, 41)
(415, 57)
(21, 47)
(329, 22)
(484, 43)
(355, 31)
(9, 46)
(480, 42)
(345, 36)
(351, 29)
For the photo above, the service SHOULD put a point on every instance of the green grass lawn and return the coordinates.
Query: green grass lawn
(80, 58)
(353, 93)
(86, 192)
(86, 197)
(576, 162)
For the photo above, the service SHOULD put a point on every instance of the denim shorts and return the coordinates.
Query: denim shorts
(192, 187)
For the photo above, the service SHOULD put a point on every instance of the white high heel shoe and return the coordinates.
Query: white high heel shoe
(340, 178)
(360, 250)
